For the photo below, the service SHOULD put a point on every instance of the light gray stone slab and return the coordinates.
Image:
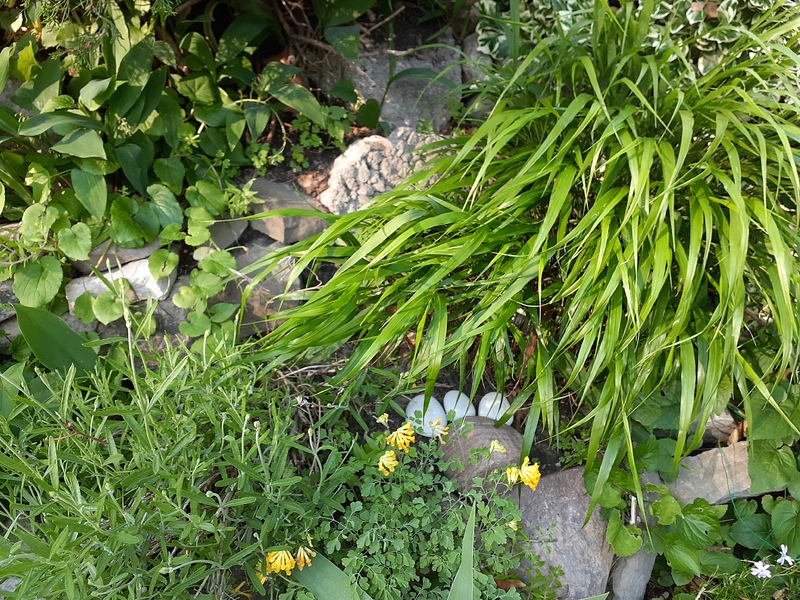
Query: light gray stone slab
(143, 284)
(108, 256)
(284, 229)
(719, 475)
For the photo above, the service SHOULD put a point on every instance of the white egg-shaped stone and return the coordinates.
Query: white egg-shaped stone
(422, 422)
(493, 405)
(459, 403)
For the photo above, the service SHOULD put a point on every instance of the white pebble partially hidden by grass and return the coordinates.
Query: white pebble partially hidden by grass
(459, 403)
(493, 405)
(422, 422)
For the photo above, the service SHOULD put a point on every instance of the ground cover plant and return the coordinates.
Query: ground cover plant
(130, 124)
(618, 228)
(199, 474)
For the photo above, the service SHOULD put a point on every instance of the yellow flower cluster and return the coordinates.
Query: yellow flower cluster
(438, 430)
(282, 560)
(529, 474)
(387, 462)
(402, 438)
(496, 446)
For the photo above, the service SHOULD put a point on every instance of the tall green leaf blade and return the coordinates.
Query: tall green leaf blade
(326, 581)
(303, 101)
(51, 340)
(91, 191)
(463, 587)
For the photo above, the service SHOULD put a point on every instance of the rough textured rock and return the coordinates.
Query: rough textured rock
(631, 574)
(553, 517)
(407, 100)
(9, 331)
(7, 297)
(168, 316)
(471, 69)
(717, 475)
(287, 230)
(719, 428)
(461, 443)
(371, 166)
(9, 585)
(108, 256)
(267, 296)
(143, 284)
(224, 234)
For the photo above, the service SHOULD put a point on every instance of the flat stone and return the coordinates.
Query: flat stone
(718, 475)
(630, 574)
(143, 284)
(108, 256)
(407, 100)
(9, 331)
(277, 196)
(224, 234)
(267, 297)
(7, 298)
(9, 585)
(372, 166)
(168, 316)
(464, 444)
(552, 516)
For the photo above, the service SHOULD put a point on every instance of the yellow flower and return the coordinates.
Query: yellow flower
(402, 438)
(438, 430)
(513, 525)
(530, 474)
(383, 419)
(388, 462)
(512, 474)
(496, 446)
(304, 557)
(282, 560)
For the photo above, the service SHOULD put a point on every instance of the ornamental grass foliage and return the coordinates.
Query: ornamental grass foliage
(619, 228)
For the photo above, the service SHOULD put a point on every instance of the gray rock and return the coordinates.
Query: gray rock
(77, 325)
(224, 234)
(7, 298)
(108, 256)
(719, 428)
(407, 100)
(168, 316)
(143, 284)
(371, 166)
(717, 475)
(9, 331)
(631, 574)
(287, 230)
(559, 506)
(9, 585)
(461, 442)
(471, 69)
(267, 296)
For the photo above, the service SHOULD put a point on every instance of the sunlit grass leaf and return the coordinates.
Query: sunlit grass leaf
(326, 581)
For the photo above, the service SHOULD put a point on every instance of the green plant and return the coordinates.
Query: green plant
(311, 136)
(110, 150)
(609, 230)
(392, 522)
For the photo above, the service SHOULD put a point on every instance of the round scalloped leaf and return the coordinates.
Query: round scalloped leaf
(624, 540)
(83, 307)
(75, 241)
(107, 307)
(37, 282)
(786, 525)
